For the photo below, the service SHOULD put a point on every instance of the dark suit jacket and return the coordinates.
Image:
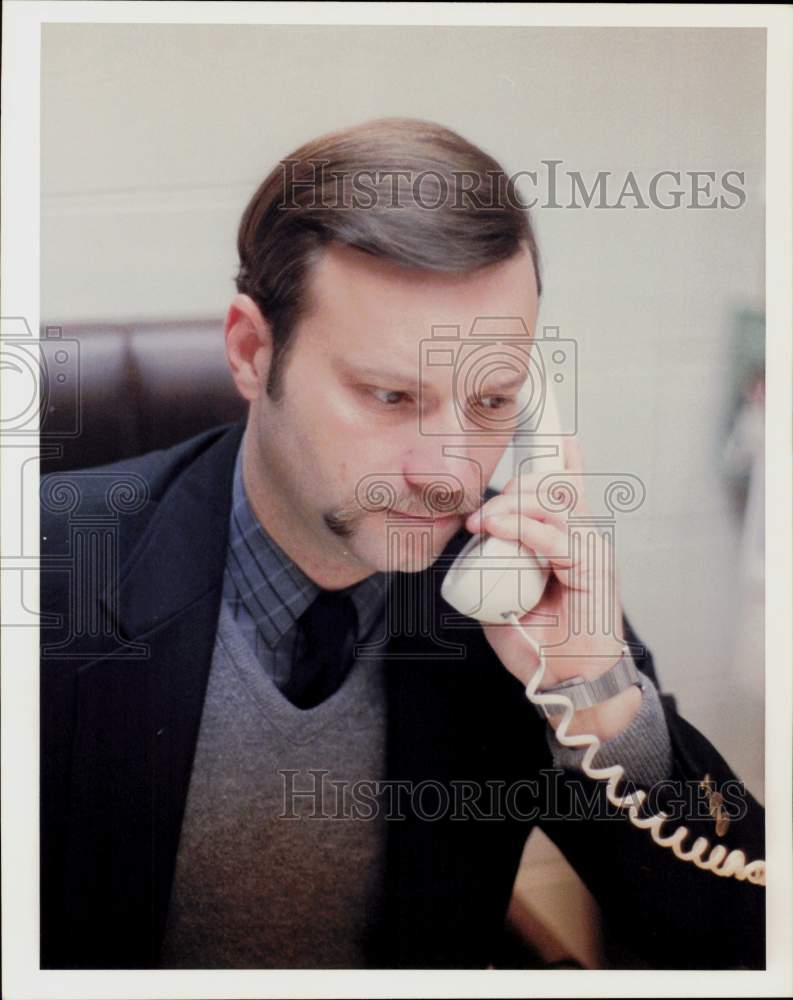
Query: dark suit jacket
(133, 557)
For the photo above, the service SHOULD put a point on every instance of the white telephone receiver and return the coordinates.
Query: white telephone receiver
(492, 578)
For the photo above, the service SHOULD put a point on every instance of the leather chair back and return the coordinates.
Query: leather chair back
(113, 391)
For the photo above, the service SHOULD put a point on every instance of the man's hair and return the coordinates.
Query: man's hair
(405, 190)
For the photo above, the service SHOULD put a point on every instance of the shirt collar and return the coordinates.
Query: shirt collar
(273, 589)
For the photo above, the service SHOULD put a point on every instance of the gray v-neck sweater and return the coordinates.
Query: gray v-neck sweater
(266, 877)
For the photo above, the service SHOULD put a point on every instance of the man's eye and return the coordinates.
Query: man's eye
(389, 397)
(496, 402)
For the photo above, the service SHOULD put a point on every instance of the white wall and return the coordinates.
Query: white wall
(154, 137)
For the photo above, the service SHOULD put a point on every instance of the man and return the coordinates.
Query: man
(280, 631)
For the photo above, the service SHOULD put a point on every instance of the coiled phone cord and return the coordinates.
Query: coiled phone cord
(718, 861)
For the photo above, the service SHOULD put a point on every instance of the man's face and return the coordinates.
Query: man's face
(372, 458)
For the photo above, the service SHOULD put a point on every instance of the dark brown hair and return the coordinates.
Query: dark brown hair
(410, 191)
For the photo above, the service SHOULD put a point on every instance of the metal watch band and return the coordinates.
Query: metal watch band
(586, 694)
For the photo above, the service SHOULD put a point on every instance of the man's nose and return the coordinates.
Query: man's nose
(445, 483)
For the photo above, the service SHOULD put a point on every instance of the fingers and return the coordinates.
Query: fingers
(527, 505)
(543, 539)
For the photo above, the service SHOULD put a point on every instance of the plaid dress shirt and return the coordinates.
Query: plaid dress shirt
(267, 592)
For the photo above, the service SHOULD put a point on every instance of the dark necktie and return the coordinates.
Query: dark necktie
(323, 649)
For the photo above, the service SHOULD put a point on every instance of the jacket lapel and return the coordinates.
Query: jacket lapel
(138, 721)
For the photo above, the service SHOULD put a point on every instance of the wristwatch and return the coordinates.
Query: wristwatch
(586, 694)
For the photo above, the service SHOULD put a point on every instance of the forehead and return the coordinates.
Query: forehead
(364, 303)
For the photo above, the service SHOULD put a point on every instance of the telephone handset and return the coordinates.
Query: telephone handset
(492, 577)
(496, 582)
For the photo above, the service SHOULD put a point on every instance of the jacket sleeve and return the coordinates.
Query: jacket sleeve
(667, 911)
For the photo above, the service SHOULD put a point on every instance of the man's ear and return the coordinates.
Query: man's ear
(248, 346)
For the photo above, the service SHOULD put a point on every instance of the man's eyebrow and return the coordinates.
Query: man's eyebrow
(509, 382)
(406, 377)
(395, 377)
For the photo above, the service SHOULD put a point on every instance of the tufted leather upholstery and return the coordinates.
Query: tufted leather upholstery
(114, 391)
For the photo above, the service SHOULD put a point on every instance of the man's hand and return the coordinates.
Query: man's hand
(573, 587)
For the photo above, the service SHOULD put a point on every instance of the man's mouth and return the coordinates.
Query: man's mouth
(430, 518)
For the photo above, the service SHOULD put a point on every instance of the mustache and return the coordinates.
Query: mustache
(439, 503)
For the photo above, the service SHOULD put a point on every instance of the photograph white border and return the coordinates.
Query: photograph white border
(19, 720)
